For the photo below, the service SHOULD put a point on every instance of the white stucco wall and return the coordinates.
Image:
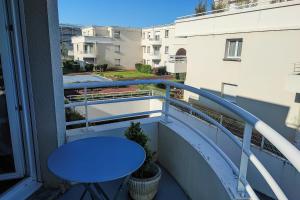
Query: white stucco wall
(270, 47)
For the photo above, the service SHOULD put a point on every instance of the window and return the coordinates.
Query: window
(233, 49)
(156, 50)
(149, 35)
(148, 49)
(166, 49)
(117, 48)
(88, 48)
(166, 33)
(77, 47)
(117, 62)
(117, 34)
(157, 35)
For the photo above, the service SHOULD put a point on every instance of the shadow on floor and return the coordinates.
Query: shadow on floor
(168, 189)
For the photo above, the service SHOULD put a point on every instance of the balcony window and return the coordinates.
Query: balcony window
(157, 35)
(233, 49)
(117, 62)
(166, 33)
(156, 50)
(117, 48)
(88, 48)
(166, 49)
(117, 34)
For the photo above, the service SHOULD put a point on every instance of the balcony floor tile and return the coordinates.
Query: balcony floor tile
(168, 189)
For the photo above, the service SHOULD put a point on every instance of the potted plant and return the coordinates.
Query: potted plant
(143, 183)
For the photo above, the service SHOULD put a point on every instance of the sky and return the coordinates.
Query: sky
(132, 13)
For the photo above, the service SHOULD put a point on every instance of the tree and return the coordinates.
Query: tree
(64, 50)
(201, 7)
(218, 6)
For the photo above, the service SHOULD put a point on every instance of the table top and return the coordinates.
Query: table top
(97, 159)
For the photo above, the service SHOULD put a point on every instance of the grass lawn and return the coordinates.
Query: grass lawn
(123, 75)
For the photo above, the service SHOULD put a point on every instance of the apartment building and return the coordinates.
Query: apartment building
(115, 46)
(67, 31)
(248, 56)
(162, 48)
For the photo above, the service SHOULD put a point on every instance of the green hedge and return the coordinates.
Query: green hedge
(71, 66)
(101, 68)
(143, 68)
(89, 67)
(160, 71)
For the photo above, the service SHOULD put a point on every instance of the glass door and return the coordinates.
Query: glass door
(11, 147)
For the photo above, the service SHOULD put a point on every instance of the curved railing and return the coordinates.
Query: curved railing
(285, 147)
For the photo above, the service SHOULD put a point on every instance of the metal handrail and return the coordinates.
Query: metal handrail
(175, 58)
(297, 67)
(107, 95)
(229, 7)
(285, 147)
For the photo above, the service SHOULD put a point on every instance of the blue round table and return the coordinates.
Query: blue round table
(95, 160)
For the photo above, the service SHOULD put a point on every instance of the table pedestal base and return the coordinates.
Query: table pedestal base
(97, 193)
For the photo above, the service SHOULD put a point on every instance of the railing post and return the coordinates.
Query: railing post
(86, 109)
(167, 103)
(244, 158)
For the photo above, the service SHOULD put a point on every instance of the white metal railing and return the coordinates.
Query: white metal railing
(235, 6)
(285, 147)
(297, 68)
(112, 95)
(175, 58)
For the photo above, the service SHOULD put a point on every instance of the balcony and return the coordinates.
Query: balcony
(88, 54)
(293, 80)
(92, 39)
(191, 149)
(155, 41)
(177, 64)
(155, 56)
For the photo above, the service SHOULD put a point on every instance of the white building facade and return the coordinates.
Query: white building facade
(248, 56)
(115, 46)
(162, 48)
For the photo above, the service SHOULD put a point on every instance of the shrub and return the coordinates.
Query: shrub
(71, 66)
(101, 68)
(161, 86)
(138, 66)
(136, 134)
(160, 71)
(89, 67)
(143, 68)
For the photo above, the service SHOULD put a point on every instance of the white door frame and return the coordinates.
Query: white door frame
(30, 183)
(11, 99)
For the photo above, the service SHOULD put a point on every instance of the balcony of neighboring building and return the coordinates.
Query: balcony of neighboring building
(259, 16)
(155, 56)
(177, 64)
(155, 41)
(293, 80)
(92, 39)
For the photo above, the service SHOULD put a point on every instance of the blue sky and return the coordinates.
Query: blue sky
(134, 13)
